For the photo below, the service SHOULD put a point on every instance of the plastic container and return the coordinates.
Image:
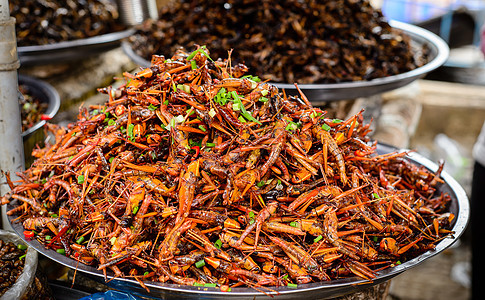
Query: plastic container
(23, 284)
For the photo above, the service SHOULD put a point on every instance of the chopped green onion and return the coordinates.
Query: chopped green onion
(218, 244)
(236, 107)
(241, 119)
(398, 262)
(129, 131)
(152, 107)
(54, 216)
(80, 179)
(193, 64)
(212, 112)
(197, 284)
(318, 238)
(178, 119)
(200, 50)
(263, 99)
(374, 238)
(261, 183)
(375, 196)
(244, 112)
(111, 159)
(326, 127)
(200, 263)
(192, 55)
(251, 214)
(253, 78)
(202, 127)
(314, 114)
(294, 224)
(285, 276)
(111, 122)
(135, 210)
(292, 126)
(337, 121)
(23, 256)
(73, 134)
(146, 273)
(292, 285)
(95, 112)
(205, 53)
(210, 285)
(47, 237)
(80, 240)
(264, 92)
(61, 251)
(210, 145)
(221, 97)
(112, 240)
(21, 247)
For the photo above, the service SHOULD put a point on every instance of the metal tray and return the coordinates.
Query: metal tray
(70, 50)
(318, 290)
(45, 93)
(321, 93)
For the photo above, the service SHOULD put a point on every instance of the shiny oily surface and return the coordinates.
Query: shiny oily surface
(201, 195)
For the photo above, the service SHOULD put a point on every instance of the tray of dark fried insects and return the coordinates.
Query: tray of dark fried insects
(54, 31)
(459, 208)
(422, 40)
(426, 47)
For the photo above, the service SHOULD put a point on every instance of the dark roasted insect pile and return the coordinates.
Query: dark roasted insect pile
(31, 108)
(12, 259)
(194, 173)
(45, 22)
(285, 41)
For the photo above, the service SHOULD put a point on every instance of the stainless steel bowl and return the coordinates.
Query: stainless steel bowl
(318, 290)
(321, 93)
(46, 93)
(318, 94)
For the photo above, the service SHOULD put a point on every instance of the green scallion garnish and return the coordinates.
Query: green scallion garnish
(200, 263)
(318, 238)
(326, 127)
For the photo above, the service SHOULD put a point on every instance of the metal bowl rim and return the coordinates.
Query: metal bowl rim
(41, 88)
(459, 227)
(94, 40)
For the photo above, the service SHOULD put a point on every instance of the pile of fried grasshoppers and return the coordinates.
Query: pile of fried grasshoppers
(194, 173)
